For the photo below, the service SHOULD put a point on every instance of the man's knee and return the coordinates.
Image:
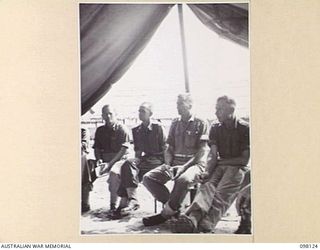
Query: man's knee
(183, 181)
(147, 181)
(155, 179)
(116, 168)
(113, 175)
(151, 180)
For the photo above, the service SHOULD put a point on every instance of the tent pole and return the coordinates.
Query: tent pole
(184, 51)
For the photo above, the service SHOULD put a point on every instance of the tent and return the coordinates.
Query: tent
(113, 35)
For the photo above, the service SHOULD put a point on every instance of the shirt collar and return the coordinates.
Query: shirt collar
(113, 127)
(149, 126)
(235, 124)
(191, 119)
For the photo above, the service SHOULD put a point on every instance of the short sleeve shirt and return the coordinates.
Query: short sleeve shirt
(151, 140)
(230, 142)
(185, 137)
(110, 140)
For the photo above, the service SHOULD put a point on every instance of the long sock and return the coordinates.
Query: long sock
(132, 193)
(123, 202)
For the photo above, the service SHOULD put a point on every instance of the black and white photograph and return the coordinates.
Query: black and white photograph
(165, 118)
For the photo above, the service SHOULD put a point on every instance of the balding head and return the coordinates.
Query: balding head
(109, 115)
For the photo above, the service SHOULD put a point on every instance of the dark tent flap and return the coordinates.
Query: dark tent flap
(230, 21)
(112, 36)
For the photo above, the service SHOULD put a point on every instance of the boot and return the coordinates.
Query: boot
(133, 205)
(133, 201)
(117, 213)
(244, 227)
(154, 220)
(157, 219)
(112, 207)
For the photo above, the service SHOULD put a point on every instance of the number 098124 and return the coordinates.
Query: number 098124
(309, 246)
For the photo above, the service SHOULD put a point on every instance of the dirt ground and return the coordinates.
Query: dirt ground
(96, 221)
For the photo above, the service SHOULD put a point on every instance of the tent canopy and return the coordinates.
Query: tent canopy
(113, 35)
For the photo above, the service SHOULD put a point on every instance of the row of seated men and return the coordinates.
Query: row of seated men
(217, 159)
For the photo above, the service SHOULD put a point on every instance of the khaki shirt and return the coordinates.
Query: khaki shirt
(230, 142)
(150, 140)
(110, 140)
(185, 137)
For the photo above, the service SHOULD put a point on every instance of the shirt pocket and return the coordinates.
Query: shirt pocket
(114, 144)
(191, 138)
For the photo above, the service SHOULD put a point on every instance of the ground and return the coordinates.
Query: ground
(97, 222)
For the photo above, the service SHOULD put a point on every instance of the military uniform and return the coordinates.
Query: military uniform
(216, 196)
(151, 142)
(184, 138)
(108, 142)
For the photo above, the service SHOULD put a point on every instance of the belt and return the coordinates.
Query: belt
(154, 155)
(183, 156)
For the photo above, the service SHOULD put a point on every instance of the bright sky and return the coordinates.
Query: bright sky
(216, 67)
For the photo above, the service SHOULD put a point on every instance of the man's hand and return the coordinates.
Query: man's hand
(167, 169)
(204, 177)
(134, 161)
(99, 162)
(104, 168)
(180, 169)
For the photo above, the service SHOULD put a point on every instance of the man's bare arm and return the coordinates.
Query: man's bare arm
(168, 155)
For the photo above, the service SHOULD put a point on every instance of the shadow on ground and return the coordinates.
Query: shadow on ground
(97, 221)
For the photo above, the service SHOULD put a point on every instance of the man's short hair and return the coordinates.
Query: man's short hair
(186, 98)
(148, 106)
(228, 100)
(110, 107)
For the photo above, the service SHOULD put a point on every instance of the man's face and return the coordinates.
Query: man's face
(224, 111)
(144, 114)
(183, 108)
(109, 116)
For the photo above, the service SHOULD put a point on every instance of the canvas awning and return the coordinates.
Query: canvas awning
(113, 35)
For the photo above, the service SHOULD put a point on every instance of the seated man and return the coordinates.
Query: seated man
(110, 146)
(229, 156)
(86, 182)
(149, 145)
(184, 161)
